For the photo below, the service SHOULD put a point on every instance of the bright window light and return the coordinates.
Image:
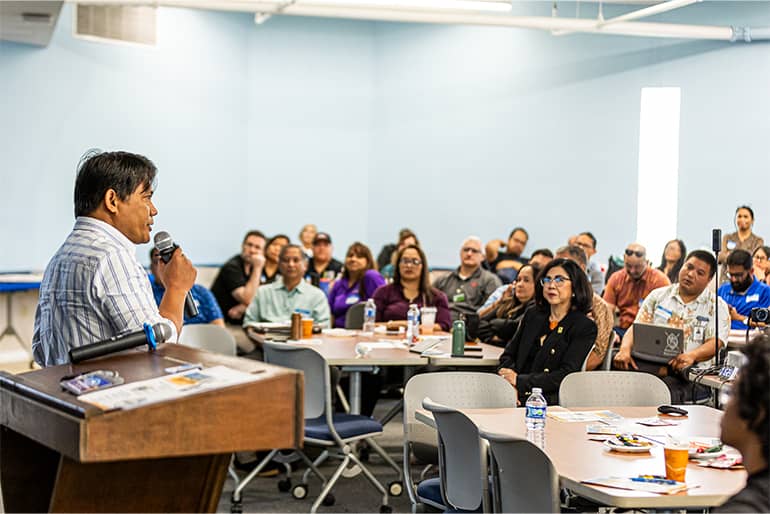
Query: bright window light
(658, 168)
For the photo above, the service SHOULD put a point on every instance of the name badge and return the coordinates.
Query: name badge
(731, 245)
(662, 312)
(459, 297)
(752, 298)
(352, 299)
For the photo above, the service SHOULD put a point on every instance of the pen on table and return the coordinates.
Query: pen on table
(651, 439)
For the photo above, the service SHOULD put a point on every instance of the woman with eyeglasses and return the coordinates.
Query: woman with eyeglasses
(358, 282)
(555, 336)
(410, 285)
(672, 259)
(405, 238)
(499, 321)
(761, 263)
(743, 238)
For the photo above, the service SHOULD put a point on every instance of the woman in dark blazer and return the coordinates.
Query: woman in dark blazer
(554, 336)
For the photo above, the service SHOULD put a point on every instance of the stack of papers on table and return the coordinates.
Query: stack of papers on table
(568, 416)
(655, 485)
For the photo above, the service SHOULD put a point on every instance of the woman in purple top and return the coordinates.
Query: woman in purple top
(411, 285)
(358, 282)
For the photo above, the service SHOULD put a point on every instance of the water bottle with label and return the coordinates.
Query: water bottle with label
(370, 314)
(412, 324)
(535, 416)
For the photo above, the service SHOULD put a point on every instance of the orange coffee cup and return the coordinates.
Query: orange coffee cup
(307, 328)
(676, 462)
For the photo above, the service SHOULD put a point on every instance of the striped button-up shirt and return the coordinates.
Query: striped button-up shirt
(93, 289)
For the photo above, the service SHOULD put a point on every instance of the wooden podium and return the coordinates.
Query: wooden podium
(59, 454)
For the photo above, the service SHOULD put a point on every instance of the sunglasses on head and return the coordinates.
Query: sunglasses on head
(631, 252)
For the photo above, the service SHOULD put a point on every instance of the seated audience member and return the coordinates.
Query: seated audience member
(745, 427)
(511, 257)
(406, 238)
(742, 239)
(672, 259)
(322, 266)
(306, 236)
(539, 259)
(387, 251)
(410, 285)
(555, 336)
(761, 263)
(744, 292)
(628, 287)
(587, 242)
(208, 308)
(239, 278)
(600, 311)
(498, 322)
(273, 248)
(358, 283)
(469, 285)
(688, 305)
(276, 302)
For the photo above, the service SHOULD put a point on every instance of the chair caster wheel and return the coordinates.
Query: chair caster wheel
(395, 488)
(236, 507)
(299, 492)
(284, 485)
(329, 500)
(386, 509)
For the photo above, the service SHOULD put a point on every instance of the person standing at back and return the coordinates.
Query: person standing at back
(742, 239)
(94, 287)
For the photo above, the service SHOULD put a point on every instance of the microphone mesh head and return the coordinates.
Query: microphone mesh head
(163, 241)
(162, 332)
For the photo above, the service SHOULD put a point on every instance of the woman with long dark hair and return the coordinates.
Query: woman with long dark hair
(499, 321)
(672, 259)
(555, 336)
(411, 285)
(359, 280)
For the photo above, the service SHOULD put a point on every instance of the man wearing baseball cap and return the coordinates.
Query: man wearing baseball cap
(322, 266)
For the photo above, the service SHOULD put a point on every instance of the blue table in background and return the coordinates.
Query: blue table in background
(11, 283)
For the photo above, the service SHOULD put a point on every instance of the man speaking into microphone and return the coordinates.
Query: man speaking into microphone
(94, 288)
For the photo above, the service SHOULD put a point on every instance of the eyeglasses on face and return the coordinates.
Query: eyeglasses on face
(760, 258)
(470, 249)
(410, 262)
(637, 253)
(558, 281)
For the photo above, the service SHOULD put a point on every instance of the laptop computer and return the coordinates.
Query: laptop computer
(657, 343)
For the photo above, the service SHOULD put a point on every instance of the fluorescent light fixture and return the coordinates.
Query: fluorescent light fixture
(419, 5)
(658, 168)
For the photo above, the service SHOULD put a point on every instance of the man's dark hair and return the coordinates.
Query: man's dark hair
(518, 229)
(574, 251)
(707, 257)
(589, 236)
(288, 247)
(753, 389)
(582, 294)
(99, 172)
(545, 252)
(740, 258)
(250, 233)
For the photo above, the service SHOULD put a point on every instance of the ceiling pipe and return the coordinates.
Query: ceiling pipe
(417, 15)
(649, 11)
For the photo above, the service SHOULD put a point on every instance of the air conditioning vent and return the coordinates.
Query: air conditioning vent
(36, 17)
(133, 24)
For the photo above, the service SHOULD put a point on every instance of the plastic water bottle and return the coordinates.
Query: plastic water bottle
(370, 314)
(536, 407)
(412, 324)
(535, 417)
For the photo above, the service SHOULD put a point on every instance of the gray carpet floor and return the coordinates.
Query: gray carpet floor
(352, 494)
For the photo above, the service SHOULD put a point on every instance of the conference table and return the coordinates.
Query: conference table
(577, 458)
(388, 350)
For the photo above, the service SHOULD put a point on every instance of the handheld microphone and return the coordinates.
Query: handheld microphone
(166, 246)
(716, 239)
(150, 335)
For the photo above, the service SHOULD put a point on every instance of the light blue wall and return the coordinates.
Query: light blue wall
(365, 127)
